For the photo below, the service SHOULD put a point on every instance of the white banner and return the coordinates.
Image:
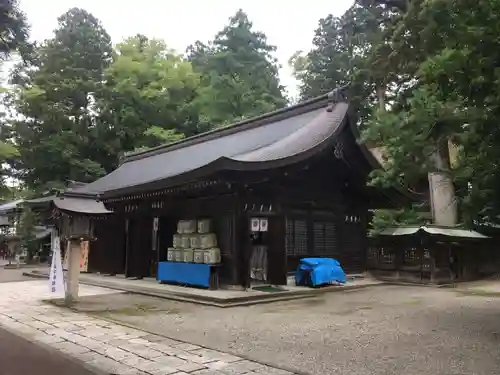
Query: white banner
(56, 277)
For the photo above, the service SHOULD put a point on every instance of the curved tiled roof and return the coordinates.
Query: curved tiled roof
(272, 140)
(80, 205)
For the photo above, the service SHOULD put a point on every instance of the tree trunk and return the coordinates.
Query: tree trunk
(442, 190)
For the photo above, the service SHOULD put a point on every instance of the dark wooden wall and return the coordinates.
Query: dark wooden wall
(316, 208)
(166, 229)
(326, 234)
(107, 251)
(140, 253)
(355, 242)
(128, 248)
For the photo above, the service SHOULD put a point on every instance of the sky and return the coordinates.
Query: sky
(288, 25)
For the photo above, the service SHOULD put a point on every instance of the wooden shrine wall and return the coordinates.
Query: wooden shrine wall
(107, 251)
(141, 253)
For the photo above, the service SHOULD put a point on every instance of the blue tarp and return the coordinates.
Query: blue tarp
(319, 271)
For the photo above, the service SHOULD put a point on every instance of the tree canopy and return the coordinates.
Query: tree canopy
(423, 76)
(80, 103)
(13, 29)
(239, 73)
(56, 124)
(13, 39)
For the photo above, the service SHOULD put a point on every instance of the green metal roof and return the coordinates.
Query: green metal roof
(432, 230)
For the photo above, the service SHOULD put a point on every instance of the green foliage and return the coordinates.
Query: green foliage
(26, 230)
(78, 105)
(163, 136)
(149, 97)
(349, 49)
(422, 73)
(239, 74)
(455, 96)
(411, 137)
(383, 219)
(56, 122)
(159, 136)
(13, 38)
(13, 29)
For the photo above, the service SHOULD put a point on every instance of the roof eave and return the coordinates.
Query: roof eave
(229, 164)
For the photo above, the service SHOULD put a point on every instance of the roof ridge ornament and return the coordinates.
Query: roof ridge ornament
(336, 96)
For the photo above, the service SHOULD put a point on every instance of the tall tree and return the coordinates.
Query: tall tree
(13, 38)
(351, 49)
(430, 67)
(374, 47)
(239, 73)
(13, 28)
(56, 130)
(149, 96)
(454, 97)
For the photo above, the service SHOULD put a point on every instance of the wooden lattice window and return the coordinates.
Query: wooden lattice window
(296, 236)
(427, 261)
(325, 238)
(386, 256)
(412, 257)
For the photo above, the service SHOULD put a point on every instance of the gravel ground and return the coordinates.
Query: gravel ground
(380, 330)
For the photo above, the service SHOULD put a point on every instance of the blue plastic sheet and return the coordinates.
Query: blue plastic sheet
(319, 271)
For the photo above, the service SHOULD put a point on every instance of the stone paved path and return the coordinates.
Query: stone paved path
(110, 347)
(22, 357)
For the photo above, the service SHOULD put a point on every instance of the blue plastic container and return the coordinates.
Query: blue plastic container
(319, 271)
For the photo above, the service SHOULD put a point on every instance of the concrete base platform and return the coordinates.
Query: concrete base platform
(218, 298)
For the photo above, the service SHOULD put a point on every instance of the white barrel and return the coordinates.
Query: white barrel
(186, 226)
(204, 226)
(177, 244)
(171, 254)
(208, 241)
(194, 241)
(212, 256)
(198, 256)
(185, 242)
(188, 255)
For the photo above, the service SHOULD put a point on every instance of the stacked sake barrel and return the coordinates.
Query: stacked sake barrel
(194, 242)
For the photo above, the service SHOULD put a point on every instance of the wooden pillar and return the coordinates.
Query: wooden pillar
(128, 261)
(237, 247)
(243, 253)
(241, 241)
(432, 260)
(399, 255)
(277, 268)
